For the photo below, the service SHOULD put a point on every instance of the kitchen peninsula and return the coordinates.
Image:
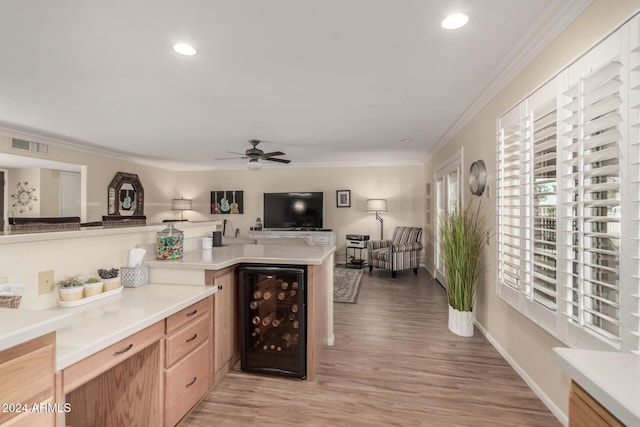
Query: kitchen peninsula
(173, 338)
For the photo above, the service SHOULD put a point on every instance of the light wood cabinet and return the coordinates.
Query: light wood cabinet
(584, 410)
(188, 361)
(28, 375)
(225, 321)
(119, 385)
(94, 365)
(186, 383)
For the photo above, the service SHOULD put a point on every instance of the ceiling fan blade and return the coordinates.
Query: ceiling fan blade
(275, 159)
(273, 153)
(230, 158)
(235, 152)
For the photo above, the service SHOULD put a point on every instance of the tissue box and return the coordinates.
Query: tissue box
(133, 277)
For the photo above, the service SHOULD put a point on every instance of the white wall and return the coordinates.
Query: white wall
(403, 186)
(526, 344)
(159, 184)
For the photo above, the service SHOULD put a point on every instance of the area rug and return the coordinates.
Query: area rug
(346, 284)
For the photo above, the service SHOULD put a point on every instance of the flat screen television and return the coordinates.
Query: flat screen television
(293, 210)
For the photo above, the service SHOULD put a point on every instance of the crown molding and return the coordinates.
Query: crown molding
(555, 19)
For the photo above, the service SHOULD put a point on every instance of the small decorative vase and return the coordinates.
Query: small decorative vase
(111, 284)
(461, 322)
(91, 289)
(71, 294)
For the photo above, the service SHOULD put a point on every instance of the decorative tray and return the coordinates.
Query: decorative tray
(87, 300)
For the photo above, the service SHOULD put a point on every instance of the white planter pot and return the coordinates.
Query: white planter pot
(91, 289)
(71, 294)
(461, 322)
(111, 284)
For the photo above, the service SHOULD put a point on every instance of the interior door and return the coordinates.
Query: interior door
(70, 194)
(448, 196)
(3, 212)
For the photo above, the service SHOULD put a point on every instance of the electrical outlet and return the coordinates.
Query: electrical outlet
(488, 238)
(45, 281)
(4, 280)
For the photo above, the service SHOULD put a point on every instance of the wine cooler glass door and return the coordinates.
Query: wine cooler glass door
(273, 319)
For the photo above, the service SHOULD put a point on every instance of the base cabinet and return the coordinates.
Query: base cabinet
(27, 377)
(151, 378)
(188, 362)
(225, 325)
(584, 410)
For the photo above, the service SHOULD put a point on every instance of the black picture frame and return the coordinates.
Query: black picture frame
(343, 198)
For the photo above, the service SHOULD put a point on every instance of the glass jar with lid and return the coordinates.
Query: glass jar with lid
(169, 243)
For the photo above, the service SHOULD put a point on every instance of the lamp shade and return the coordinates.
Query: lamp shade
(181, 204)
(376, 205)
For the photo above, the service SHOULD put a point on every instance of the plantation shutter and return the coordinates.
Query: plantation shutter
(544, 122)
(509, 189)
(591, 207)
(631, 208)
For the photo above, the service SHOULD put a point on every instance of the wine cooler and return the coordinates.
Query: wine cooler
(273, 319)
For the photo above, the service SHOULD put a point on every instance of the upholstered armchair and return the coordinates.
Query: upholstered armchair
(402, 252)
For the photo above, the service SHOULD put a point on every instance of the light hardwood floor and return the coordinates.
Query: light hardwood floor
(394, 363)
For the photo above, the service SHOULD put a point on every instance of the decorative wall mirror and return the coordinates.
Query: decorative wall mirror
(125, 195)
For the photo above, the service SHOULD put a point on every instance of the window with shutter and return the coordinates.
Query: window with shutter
(568, 199)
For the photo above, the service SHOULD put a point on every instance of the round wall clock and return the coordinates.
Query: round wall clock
(477, 177)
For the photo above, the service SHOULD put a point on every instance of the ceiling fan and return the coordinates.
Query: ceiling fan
(255, 154)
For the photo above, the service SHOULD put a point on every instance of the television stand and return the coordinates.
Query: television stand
(311, 238)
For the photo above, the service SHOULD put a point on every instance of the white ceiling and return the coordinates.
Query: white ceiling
(325, 81)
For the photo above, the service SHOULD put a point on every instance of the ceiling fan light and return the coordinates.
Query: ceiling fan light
(254, 165)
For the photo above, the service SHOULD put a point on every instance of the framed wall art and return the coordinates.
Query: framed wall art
(227, 202)
(343, 198)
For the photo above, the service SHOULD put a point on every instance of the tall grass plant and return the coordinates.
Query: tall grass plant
(462, 238)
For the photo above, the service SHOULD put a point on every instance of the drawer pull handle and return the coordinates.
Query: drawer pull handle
(219, 287)
(124, 350)
(192, 313)
(192, 338)
(192, 382)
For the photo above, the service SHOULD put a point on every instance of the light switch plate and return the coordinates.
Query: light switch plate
(45, 281)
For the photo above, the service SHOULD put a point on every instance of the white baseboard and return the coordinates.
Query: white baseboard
(561, 416)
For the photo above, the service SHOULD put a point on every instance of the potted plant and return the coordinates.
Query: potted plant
(92, 286)
(110, 278)
(70, 288)
(462, 237)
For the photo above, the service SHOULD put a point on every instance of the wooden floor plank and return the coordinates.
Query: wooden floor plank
(394, 363)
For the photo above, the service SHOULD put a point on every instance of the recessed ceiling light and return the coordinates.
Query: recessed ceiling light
(184, 49)
(455, 21)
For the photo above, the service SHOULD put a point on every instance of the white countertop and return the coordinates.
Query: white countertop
(225, 256)
(97, 325)
(19, 326)
(611, 378)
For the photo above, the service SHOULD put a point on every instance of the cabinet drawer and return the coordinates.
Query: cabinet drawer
(184, 340)
(92, 366)
(180, 318)
(186, 383)
(27, 374)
